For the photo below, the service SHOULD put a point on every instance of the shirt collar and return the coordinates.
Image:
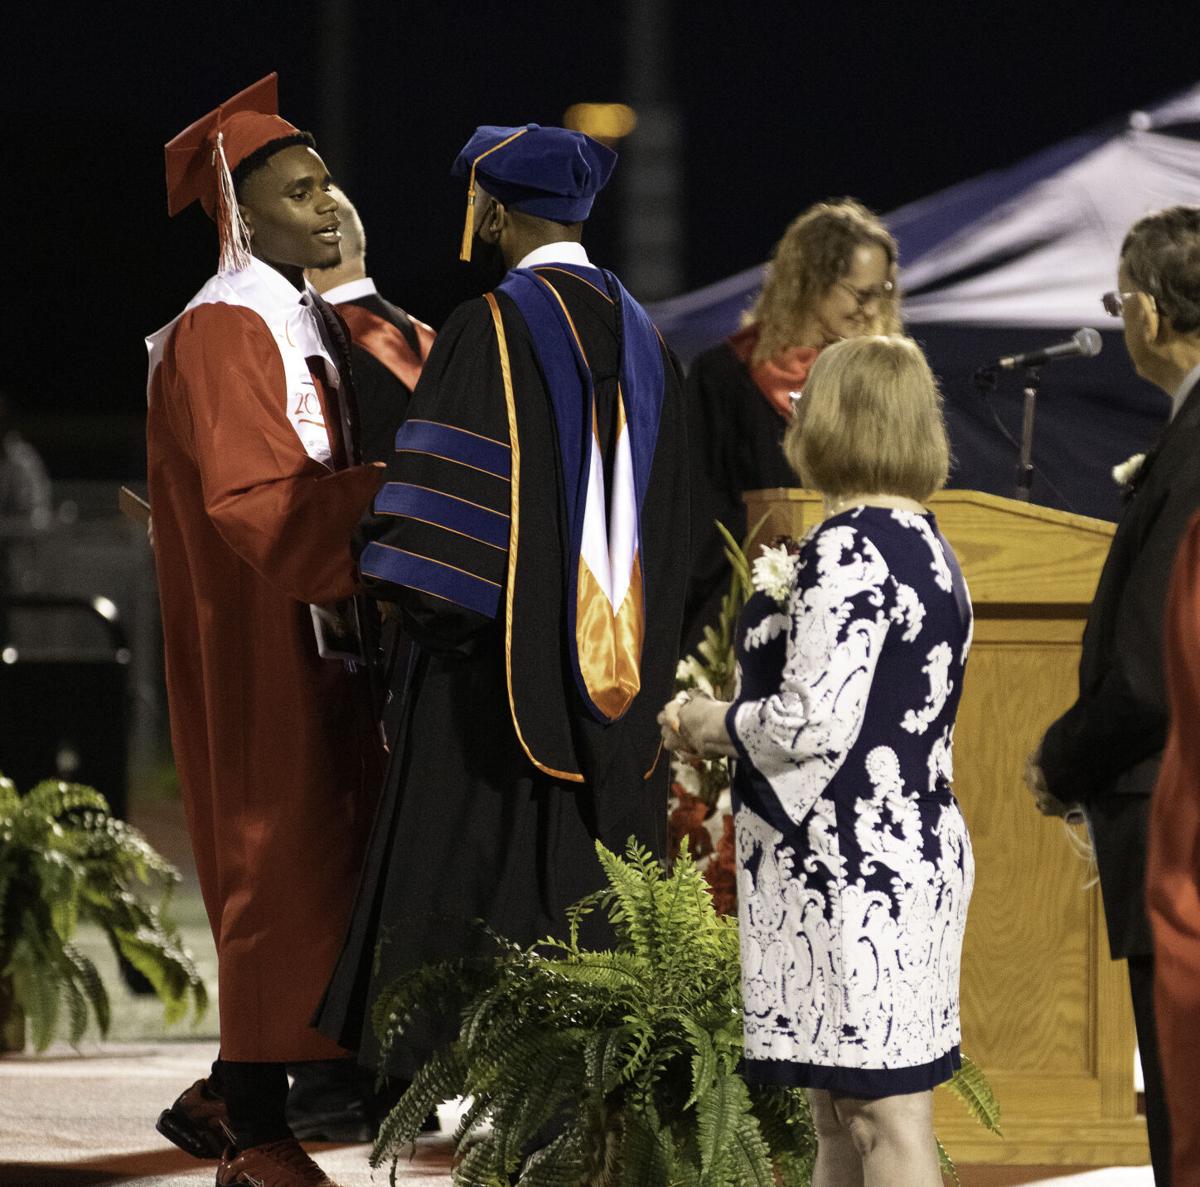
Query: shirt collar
(352, 290)
(271, 287)
(563, 252)
(288, 311)
(1185, 389)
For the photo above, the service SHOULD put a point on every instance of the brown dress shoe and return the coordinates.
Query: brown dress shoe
(197, 1122)
(275, 1164)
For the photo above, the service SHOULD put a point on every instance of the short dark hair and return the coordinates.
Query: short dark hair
(1161, 253)
(260, 156)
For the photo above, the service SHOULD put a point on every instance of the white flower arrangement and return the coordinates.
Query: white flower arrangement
(775, 573)
(712, 671)
(1125, 472)
(687, 776)
(691, 673)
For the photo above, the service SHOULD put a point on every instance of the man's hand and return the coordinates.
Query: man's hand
(672, 735)
(694, 725)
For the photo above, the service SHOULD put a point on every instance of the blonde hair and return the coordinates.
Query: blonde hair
(354, 238)
(870, 422)
(816, 251)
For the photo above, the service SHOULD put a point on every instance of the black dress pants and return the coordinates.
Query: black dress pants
(256, 1097)
(1158, 1127)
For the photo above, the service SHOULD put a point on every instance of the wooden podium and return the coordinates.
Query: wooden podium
(1045, 1011)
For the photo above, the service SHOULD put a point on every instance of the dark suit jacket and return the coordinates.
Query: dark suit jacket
(1105, 750)
(382, 397)
(382, 402)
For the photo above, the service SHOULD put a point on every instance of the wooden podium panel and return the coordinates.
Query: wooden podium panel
(1045, 1011)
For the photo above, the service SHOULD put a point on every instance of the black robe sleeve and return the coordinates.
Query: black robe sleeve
(716, 492)
(436, 542)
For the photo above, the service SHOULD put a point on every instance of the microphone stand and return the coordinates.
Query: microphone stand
(1033, 378)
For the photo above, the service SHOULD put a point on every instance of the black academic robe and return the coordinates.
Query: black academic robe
(1104, 751)
(736, 441)
(501, 780)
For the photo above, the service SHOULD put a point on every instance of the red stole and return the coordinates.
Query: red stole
(777, 377)
(380, 338)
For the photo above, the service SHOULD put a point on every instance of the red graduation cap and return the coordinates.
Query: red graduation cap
(200, 160)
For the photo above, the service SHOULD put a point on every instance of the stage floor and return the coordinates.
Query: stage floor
(72, 1119)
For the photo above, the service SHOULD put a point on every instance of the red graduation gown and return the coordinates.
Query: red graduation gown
(276, 748)
(1173, 869)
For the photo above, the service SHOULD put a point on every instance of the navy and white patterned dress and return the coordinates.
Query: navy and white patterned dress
(854, 864)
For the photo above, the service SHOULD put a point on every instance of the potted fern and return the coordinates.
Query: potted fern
(618, 1064)
(64, 860)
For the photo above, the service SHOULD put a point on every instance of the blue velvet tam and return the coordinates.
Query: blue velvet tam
(551, 173)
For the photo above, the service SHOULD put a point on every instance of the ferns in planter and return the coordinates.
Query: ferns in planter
(607, 1067)
(64, 860)
(616, 1065)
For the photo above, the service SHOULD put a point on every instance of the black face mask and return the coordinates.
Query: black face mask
(487, 264)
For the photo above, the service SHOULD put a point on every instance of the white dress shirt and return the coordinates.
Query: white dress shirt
(1184, 389)
(563, 252)
(352, 290)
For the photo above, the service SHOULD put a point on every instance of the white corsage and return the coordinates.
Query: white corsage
(775, 572)
(1125, 472)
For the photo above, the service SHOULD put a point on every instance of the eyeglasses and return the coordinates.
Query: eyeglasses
(1114, 302)
(864, 297)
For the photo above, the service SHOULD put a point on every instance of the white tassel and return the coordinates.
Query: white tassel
(232, 233)
(1080, 843)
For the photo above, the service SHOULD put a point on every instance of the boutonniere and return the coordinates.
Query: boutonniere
(1126, 472)
(774, 571)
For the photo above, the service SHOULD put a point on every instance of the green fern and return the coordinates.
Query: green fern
(704, 1061)
(949, 1170)
(440, 1078)
(602, 1060)
(34, 972)
(599, 1068)
(750, 1157)
(971, 1087)
(719, 1113)
(647, 1155)
(567, 1162)
(63, 861)
(87, 990)
(480, 1167)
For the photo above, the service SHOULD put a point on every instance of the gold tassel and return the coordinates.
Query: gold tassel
(232, 234)
(464, 251)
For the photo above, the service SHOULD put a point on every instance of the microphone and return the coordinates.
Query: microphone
(1085, 343)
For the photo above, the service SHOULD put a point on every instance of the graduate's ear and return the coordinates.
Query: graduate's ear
(247, 218)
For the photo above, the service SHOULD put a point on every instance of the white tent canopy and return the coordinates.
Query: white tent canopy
(1059, 240)
(1030, 245)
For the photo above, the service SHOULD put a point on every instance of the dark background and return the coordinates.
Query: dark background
(780, 104)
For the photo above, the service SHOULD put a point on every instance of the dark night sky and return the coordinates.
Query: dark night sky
(782, 104)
